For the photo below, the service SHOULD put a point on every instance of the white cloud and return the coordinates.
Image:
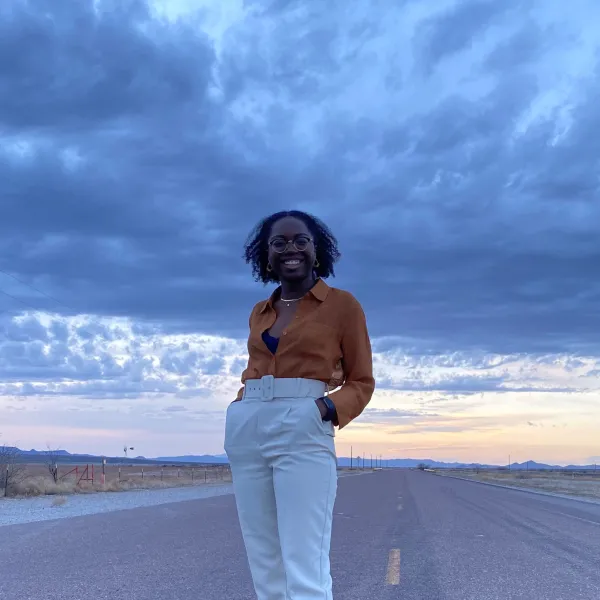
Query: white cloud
(114, 379)
(107, 358)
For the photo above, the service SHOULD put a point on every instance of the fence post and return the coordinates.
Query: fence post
(161, 473)
(119, 473)
(6, 481)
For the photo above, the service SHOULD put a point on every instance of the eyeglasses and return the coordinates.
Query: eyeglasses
(300, 243)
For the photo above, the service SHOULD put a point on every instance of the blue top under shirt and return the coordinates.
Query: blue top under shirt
(270, 341)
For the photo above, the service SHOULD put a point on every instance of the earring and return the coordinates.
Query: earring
(317, 264)
(269, 267)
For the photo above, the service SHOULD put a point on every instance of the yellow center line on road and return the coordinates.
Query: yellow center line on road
(393, 570)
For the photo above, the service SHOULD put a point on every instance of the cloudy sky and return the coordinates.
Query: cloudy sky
(451, 145)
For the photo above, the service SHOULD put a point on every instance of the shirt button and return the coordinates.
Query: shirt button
(285, 333)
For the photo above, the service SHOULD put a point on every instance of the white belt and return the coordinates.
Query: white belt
(269, 387)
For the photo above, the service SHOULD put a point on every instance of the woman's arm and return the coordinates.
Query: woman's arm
(357, 360)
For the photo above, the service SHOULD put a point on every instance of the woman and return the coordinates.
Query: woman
(306, 339)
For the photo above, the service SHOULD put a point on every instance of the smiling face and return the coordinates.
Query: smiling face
(295, 262)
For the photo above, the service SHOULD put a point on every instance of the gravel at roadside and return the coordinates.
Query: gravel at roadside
(26, 510)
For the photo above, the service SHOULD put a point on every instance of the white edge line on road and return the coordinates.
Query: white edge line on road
(574, 517)
(393, 569)
(522, 489)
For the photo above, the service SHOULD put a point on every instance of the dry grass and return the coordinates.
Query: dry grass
(38, 482)
(40, 485)
(571, 483)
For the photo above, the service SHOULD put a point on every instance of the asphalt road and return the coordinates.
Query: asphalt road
(397, 534)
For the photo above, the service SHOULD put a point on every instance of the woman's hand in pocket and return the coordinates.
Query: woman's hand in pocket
(322, 407)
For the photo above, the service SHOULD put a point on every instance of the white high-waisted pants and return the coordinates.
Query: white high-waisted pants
(284, 469)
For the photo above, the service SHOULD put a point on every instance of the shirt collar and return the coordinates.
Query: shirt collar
(319, 291)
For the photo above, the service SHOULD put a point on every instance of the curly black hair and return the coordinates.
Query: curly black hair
(257, 251)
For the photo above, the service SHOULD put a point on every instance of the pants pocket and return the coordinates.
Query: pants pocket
(234, 427)
(325, 426)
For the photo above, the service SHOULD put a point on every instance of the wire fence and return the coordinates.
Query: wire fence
(42, 479)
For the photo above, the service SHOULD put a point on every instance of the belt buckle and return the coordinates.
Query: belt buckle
(267, 383)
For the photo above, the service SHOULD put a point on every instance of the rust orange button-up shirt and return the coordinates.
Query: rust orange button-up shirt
(327, 340)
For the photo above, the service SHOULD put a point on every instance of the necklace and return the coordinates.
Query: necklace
(287, 302)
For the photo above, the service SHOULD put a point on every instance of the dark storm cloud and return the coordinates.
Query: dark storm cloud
(131, 173)
(455, 29)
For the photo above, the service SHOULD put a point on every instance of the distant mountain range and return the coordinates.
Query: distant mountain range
(63, 456)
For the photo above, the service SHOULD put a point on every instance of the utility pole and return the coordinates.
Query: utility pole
(351, 458)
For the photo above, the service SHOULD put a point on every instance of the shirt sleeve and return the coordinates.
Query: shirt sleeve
(357, 361)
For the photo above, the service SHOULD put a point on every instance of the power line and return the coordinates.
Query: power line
(19, 300)
(36, 289)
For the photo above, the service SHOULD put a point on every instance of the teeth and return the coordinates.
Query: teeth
(291, 262)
